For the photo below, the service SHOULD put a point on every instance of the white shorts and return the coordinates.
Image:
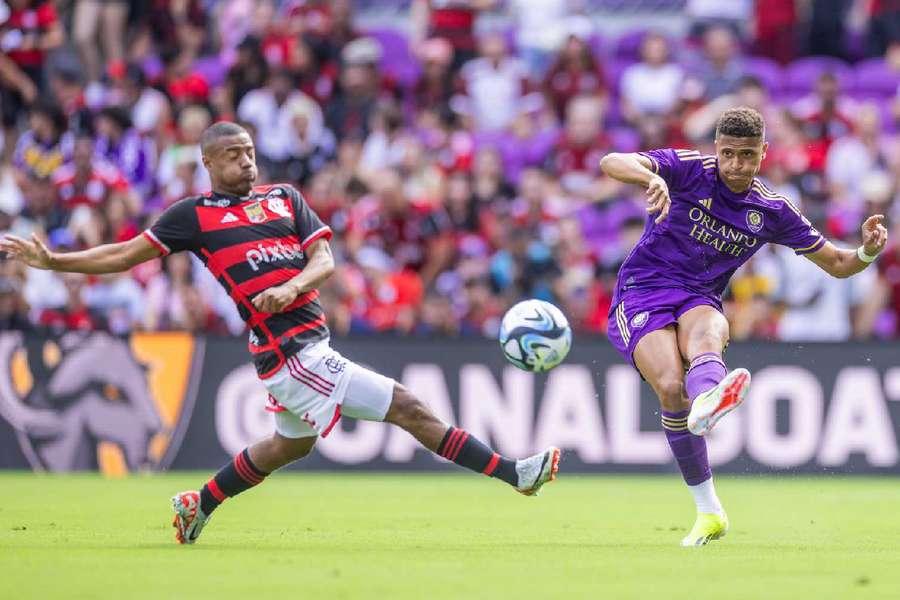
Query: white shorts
(317, 386)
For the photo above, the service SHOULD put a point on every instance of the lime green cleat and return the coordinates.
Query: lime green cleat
(707, 527)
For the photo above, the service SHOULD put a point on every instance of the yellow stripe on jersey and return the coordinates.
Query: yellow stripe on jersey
(810, 247)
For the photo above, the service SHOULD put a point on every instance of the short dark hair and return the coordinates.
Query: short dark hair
(741, 122)
(219, 130)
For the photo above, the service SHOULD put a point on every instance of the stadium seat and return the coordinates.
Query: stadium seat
(802, 74)
(767, 71)
(212, 69)
(875, 79)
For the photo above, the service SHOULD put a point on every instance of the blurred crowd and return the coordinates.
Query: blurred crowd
(455, 156)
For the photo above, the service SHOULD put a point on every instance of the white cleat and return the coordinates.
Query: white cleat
(537, 470)
(709, 407)
(189, 518)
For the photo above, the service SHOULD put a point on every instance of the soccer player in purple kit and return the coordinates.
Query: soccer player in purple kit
(712, 215)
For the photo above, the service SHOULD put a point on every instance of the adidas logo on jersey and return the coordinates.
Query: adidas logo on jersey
(267, 254)
(706, 203)
(229, 218)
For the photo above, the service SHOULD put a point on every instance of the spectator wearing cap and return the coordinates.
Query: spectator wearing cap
(46, 145)
(494, 86)
(575, 71)
(123, 146)
(91, 17)
(652, 86)
(349, 114)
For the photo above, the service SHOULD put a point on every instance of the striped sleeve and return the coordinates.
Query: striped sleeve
(309, 226)
(176, 229)
(796, 232)
(674, 166)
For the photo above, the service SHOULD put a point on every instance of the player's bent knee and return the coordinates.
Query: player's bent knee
(406, 409)
(290, 449)
(671, 393)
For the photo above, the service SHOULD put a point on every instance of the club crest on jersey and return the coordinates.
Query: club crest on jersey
(255, 213)
(754, 220)
(277, 206)
(639, 320)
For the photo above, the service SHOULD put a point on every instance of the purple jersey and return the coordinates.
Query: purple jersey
(710, 231)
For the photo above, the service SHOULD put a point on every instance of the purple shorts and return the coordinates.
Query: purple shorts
(640, 311)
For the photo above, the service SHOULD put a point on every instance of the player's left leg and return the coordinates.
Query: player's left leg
(374, 397)
(712, 390)
(527, 475)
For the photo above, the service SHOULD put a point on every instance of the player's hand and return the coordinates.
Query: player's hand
(275, 299)
(33, 253)
(874, 235)
(658, 198)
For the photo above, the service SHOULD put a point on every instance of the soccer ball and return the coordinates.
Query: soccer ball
(535, 336)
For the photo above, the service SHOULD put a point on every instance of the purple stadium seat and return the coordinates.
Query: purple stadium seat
(396, 59)
(802, 74)
(629, 45)
(767, 71)
(598, 48)
(625, 139)
(212, 69)
(874, 78)
(613, 70)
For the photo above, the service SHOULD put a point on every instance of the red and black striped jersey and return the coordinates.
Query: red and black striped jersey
(252, 243)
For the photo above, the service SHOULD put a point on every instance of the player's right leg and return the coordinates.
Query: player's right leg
(292, 440)
(657, 357)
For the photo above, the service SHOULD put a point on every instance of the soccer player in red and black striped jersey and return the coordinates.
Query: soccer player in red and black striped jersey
(271, 252)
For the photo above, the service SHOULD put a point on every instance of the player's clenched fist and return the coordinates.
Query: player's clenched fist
(658, 198)
(874, 235)
(274, 299)
(33, 253)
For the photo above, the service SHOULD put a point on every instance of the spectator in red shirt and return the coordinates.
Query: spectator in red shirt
(74, 315)
(90, 181)
(576, 157)
(435, 86)
(826, 116)
(31, 29)
(453, 20)
(416, 236)
(575, 73)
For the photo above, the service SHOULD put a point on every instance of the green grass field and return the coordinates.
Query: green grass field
(457, 536)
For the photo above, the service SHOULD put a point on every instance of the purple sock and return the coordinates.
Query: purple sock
(706, 371)
(689, 449)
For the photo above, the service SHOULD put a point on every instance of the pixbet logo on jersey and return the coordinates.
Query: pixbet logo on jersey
(267, 254)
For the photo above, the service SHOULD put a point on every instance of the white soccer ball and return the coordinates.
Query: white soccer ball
(535, 336)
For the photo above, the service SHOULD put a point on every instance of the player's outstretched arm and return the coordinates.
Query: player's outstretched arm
(844, 263)
(109, 258)
(319, 267)
(636, 169)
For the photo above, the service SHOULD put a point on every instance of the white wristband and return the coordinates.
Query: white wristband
(861, 254)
